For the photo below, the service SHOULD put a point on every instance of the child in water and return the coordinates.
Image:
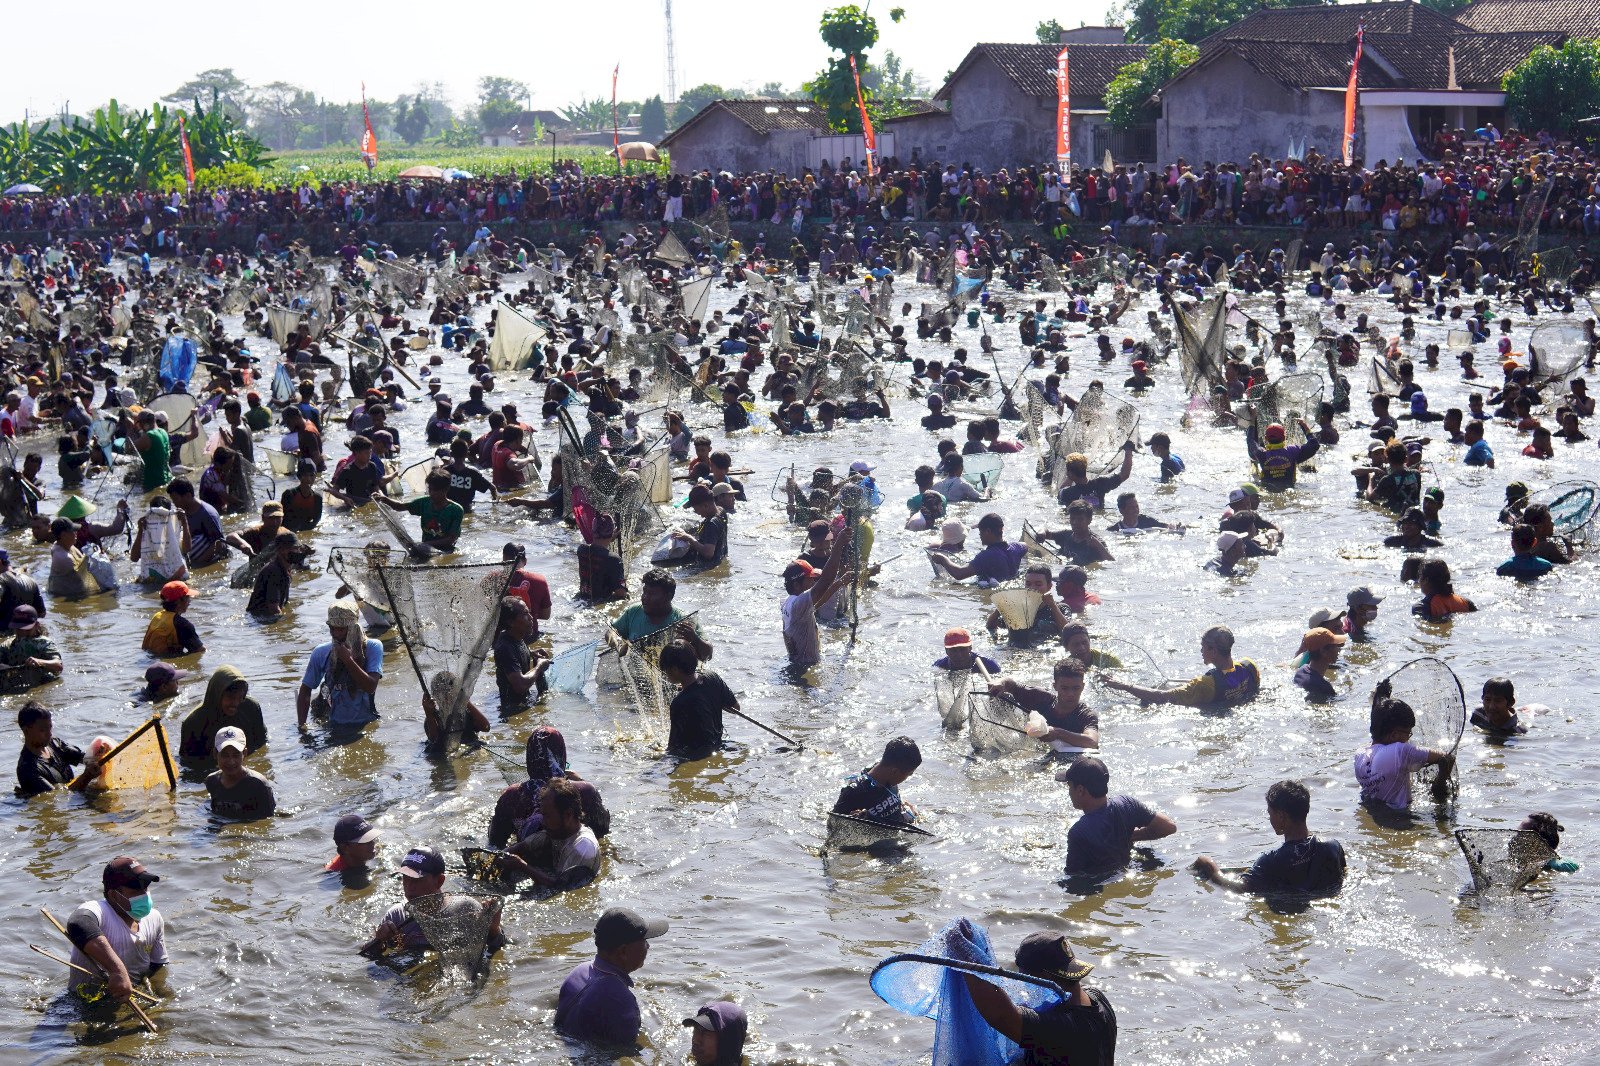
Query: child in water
(1384, 770)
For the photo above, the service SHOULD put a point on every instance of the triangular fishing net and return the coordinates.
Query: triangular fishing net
(639, 674)
(626, 494)
(952, 690)
(1018, 607)
(142, 761)
(1097, 430)
(1533, 205)
(1383, 379)
(457, 926)
(182, 412)
(715, 223)
(397, 528)
(446, 616)
(1034, 416)
(283, 324)
(982, 470)
(929, 983)
(696, 298)
(1202, 332)
(671, 250)
(1433, 692)
(1049, 275)
(1556, 266)
(542, 280)
(996, 726)
(757, 284)
(1503, 861)
(1555, 351)
(1287, 401)
(516, 338)
(358, 569)
(1036, 544)
(570, 671)
(847, 832)
(1572, 507)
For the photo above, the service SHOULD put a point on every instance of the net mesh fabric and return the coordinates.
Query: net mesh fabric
(1018, 607)
(696, 298)
(1503, 861)
(952, 691)
(846, 832)
(145, 762)
(1202, 334)
(1286, 401)
(997, 726)
(446, 616)
(929, 983)
(1098, 429)
(570, 671)
(1433, 692)
(398, 528)
(457, 925)
(671, 250)
(1572, 507)
(1555, 351)
(1557, 265)
(628, 494)
(982, 470)
(1030, 539)
(516, 338)
(639, 674)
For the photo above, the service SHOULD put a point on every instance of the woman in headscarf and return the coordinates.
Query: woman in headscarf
(516, 813)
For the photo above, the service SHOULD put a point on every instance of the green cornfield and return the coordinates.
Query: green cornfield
(344, 164)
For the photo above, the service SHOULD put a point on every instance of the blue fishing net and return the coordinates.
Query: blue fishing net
(570, 671)
(929, 983)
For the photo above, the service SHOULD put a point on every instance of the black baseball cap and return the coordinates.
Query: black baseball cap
(354, 829)
(125, 872)
(620, 926)
(1048, 955)
(422, 862)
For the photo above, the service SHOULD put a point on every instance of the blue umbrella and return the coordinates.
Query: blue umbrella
(22, 190)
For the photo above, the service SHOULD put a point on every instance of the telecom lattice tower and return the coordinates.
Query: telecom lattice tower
(672, 60)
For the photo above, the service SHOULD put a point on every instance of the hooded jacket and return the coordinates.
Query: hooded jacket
(201, 725)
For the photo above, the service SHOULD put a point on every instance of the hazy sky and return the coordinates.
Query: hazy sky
(92, 50)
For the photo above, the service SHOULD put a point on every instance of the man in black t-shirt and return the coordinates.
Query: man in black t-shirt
(695, 715)
(358, 477)
(1102, 840)
(1302, 865)
(1078, 1030)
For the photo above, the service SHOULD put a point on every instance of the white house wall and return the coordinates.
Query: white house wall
(1228, 110)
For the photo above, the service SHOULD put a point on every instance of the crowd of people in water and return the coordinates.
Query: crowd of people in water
(94, 352)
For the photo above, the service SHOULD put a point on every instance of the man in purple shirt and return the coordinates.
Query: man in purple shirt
(997, 561)
(596, 1002)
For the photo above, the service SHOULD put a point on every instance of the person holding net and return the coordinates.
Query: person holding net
(561, 854)
(874, 793)
(1227, 682)
(422, 878)
(342, 674)
(439, 515)
(1279, 461)
(1303, 865)
(1057, 717)
(653, 613)
(1384, 770)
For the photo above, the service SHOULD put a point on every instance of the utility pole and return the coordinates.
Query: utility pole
(672, 60)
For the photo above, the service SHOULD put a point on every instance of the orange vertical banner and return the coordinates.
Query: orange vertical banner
(188, 156)
(369, 140)
(1063, 115)
(868, 138)
(1350, 93)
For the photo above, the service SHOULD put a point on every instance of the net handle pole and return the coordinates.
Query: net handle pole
(129, 739)
(63, 931)
(762, 725)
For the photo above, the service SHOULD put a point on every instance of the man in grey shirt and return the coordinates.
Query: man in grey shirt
(237, 793)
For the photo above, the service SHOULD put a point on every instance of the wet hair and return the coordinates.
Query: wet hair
(991, 522)
(60, 526)
(1523, 537)
(1436, 572)
(1080, 506)
(1502, 687)
(1123, 497)
(1040, 570)
(565, 796)
(1536, 514)
(1091, 774)
(678, 655)
(659, 578)
(181, 486)
(1290, 798)
(1065, 667)
(902, 753)
(32, 713)
(1218, 637)
(1389, 715)
(1547, 827)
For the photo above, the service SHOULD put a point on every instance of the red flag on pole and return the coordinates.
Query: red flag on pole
(188, 156)
(369, 140)
(1350, 93)
(1063, 115)
(868, 138)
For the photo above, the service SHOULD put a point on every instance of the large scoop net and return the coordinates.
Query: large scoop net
(638, 673)
(143, 760)
(570, 671)
(1097, 430)
(1018, 607)
(1202, 332)
(847, 832)
(1286, 401)
(930, 983)
(1555, 351)
(1572, 507)
(358, 569)
(1433, 692)
(446, 616)
(1503, 861)
(996, 726)
(457, 926)
(952, 694)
